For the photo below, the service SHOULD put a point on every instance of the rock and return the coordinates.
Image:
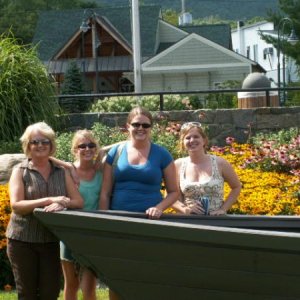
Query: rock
(7, 162)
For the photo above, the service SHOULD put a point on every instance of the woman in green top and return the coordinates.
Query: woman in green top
(88, 175)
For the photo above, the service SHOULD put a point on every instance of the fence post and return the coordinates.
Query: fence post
(268, 98)
(161, 102)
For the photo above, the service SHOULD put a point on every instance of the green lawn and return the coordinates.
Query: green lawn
(102, 294)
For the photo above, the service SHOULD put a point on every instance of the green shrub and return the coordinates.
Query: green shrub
(108, 135)
(13, 146)
(64, 141)
(126, 103)
(27, 94)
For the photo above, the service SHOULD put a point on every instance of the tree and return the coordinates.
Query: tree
(27, 94)
(171, 16)
(73, 85)
(290, 9)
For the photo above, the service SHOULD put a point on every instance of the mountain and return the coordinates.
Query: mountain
(224, 9)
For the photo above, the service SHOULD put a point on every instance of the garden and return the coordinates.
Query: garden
(268, 165)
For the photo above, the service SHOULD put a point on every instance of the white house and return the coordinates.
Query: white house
(247, 41)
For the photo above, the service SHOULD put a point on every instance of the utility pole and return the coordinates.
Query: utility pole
(136, 45)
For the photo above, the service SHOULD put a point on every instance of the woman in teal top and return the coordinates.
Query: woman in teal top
(90, 190)
(88, 175)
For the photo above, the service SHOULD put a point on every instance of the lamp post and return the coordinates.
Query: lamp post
(95, 40)
(280, 38)
(136, 46)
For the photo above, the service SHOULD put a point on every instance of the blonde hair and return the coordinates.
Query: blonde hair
(80, 134)
(185, 129)
(139, 111)
(42, 128)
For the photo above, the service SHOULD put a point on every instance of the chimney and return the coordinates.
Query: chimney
(185, 18)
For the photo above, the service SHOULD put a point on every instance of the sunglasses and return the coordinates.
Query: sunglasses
(138, 125)
(89, 145)
(189, 125)
(44, 142)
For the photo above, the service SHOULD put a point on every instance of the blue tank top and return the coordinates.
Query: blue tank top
(137, 187)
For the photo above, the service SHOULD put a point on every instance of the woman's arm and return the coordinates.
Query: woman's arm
(178, 205)
(76, 200)
(106, 190)
(230, 176)
(169, 174)
(101, 157)
(68, 166)
(22, 206)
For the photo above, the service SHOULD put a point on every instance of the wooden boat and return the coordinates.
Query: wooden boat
(179, 257)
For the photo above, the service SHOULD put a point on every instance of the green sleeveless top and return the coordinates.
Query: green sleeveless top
(90, 191)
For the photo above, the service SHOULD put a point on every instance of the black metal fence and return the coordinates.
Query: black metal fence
(85, 99)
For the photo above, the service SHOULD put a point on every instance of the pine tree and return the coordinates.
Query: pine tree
(290, 9)
(73, 85)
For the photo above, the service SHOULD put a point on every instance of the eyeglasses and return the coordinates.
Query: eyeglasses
(89, 145)
(190, 124)
(138, 125)
(44, 142)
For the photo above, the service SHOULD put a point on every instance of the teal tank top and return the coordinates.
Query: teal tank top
(90, 191)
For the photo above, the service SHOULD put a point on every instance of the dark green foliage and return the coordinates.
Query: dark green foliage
(27, 94)
(73, 84)
(291, 10)
(293, 97)
(13, 146)
(6, 276)
(225, 9)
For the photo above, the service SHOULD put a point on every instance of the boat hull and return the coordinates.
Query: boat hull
(180, 258)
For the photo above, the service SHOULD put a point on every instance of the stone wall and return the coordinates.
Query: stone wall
(221, 123)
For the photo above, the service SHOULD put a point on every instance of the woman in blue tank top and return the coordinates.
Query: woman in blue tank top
(133, 173)
(134, 183)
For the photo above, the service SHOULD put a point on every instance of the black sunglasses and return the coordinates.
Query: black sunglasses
(89, 145)
(44, 142)
(137, 125)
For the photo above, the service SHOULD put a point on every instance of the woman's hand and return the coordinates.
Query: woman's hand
(197, 209)
(54, 207)
(154, 213)
(218, 212)
(62, 200)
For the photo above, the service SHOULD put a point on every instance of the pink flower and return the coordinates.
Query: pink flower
(230, 140)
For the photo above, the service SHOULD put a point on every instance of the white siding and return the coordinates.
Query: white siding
(191, 81)
(169, 34)
(194, 53)
(248, 36)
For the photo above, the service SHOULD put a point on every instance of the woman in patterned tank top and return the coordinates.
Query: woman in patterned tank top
(201, 176)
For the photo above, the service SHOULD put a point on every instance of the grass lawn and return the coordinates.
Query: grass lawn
(102, 294)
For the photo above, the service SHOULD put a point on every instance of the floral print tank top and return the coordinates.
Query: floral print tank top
(212, 189)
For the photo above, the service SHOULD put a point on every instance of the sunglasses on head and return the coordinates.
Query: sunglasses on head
(189, 125)
(89, 145)
(138, 125)
(36, 142)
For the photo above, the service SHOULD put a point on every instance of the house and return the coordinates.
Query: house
(247, 41)
(172, 58)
